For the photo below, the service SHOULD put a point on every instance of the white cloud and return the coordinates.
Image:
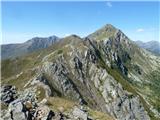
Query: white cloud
(140, 30)
(109, 4)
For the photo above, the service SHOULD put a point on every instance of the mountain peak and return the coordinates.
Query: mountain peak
(106, 31)
(53, 37)
(47, 40)
(72, 37)
(36, 43)
(109, 26)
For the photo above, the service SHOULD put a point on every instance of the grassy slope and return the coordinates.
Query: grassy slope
(57, 104)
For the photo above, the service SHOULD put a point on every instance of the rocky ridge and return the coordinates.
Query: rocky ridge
(98, 71)
(27, 107)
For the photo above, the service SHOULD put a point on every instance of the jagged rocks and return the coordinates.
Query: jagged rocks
(19, 110)
(118, 102)
(90, 55)
(128, 109)
(60, 79)
(25, 107)
(8, 93)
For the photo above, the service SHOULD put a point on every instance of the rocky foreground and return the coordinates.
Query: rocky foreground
(25, 106)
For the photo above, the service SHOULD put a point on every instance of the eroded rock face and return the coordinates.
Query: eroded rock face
(105, 92)
(119, 103)
(61, 80)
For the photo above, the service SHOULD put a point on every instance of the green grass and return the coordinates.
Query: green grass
(59, 51)
(20, 81)
(12, 67)
(65, 105)
(99, 115)
(56, 103)
(154, 87)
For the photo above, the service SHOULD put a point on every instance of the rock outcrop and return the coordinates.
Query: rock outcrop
(26, 107)
(8, 93)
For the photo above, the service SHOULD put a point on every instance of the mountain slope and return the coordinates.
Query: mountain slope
(14, 50)
(152, 46)
(105, 71)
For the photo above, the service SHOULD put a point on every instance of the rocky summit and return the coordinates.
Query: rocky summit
(104, 76)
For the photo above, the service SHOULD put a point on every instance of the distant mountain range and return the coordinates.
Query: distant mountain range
(37, 43)
(152, 46)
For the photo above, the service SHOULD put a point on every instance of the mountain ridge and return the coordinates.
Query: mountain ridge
(106, 74)
(152, 46)
(15, 50)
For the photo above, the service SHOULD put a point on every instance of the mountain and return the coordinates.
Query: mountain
(15, 50)
(152, 46)
(104, 73)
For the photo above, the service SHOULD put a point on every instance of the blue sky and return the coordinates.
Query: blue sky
(23, 20)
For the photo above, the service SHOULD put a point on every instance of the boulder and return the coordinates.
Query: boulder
(79, 114)
(16, 110)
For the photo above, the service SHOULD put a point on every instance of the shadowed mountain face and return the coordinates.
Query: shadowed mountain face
(15, 50)
(105, 71)
(152, 46)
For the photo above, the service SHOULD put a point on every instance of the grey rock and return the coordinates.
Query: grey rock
(26, 108)
(8, 93)
(59, 73)
(119, 103)
(79, 114)
(16, 110)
